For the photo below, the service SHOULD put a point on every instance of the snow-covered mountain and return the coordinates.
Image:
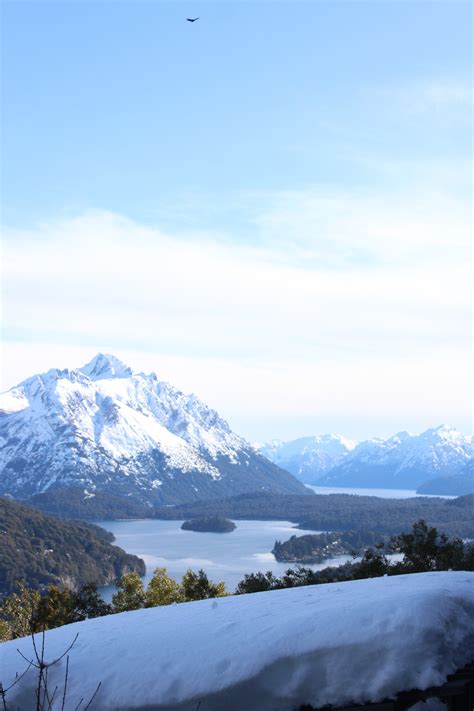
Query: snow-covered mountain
(107, 428)
(405, 461)
(308, 458)
(456, 484)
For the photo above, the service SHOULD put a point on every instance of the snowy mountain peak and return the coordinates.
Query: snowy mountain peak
(446, 433)
(106, 427)
(106, 366)
(400, 437)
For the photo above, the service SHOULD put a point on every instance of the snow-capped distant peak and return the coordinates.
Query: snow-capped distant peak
(446, 433)
(400, 437)
(104, 366)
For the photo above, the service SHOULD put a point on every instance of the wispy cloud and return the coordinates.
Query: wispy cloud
(403, 227)
(437, 95)
(247, 328)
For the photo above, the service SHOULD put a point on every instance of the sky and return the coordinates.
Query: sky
(270, 207)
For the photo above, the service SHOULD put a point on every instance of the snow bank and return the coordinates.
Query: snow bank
(356, 641)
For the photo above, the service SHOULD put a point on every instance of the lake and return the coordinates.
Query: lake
(381, 493)
(224, 556)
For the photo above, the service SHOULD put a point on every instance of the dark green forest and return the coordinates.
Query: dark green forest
(316, 547)
(72, 502)
(209, 524)
(340, 512)
(41, 550)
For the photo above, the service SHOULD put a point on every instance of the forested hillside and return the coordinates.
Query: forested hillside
(339, 512)
(41, 550)
(75, 502)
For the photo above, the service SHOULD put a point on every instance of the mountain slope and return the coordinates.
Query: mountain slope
(106, 428)
(458, 484)
(403, 461)
(439, 461)
(308, 458)
(41, 550)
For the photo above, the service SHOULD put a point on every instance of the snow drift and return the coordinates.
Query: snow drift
(327, 644)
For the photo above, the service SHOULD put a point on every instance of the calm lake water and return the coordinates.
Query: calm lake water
(224, 556)
(381, 493)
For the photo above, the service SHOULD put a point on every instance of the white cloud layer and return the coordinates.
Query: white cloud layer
(275, 336)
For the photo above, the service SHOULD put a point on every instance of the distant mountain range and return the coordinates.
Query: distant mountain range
(308, 458)
(107, 429)
(438, 461)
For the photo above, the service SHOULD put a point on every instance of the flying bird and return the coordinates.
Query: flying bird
(192, 19)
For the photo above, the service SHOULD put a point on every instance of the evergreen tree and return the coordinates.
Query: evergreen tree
(88, 603)
(197, 586)
(162, 590)
(17, 612)
(54, 609)
(130, 594)
(257, 582)
(419, 548)
(374, 564)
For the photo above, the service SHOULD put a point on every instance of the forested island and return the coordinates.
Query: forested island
(317, 547)
(41, 550)
(209, 524)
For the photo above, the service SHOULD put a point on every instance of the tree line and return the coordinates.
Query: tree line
(27, 611)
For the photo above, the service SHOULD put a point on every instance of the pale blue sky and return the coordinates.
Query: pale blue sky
(270, 206)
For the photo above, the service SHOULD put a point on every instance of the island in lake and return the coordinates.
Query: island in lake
(209, 524)
(315, 548)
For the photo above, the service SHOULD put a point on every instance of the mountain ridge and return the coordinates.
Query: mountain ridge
(405, 460)
(108, 428)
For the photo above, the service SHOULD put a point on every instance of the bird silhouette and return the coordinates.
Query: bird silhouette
(192, 19)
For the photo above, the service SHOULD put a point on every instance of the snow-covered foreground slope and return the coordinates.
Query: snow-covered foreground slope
(404, 461)
(328, 644)
(105, 427)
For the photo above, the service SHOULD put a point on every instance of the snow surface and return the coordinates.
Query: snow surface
(326, 644)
